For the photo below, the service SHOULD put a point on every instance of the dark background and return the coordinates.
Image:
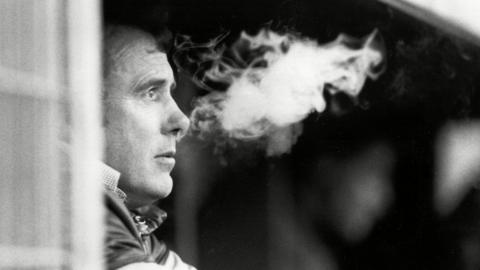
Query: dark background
(431, 79)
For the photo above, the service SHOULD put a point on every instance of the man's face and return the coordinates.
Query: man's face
(142, 121)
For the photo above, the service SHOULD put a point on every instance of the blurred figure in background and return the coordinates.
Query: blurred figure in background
(457, 195)
(339, 188)
(348, 195)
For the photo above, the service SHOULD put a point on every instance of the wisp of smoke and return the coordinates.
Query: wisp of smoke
(274, 81)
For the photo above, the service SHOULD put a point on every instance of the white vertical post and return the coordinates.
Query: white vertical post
(86, 138)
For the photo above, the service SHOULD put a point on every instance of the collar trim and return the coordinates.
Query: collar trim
(110, 178)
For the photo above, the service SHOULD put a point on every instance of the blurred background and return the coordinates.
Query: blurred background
(389, 181)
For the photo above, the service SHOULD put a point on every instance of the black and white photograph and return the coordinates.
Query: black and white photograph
(240, 135)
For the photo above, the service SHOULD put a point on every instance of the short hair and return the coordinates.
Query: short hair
(115, 45)
(150, 16)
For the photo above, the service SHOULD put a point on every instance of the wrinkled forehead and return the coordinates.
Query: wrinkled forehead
(134, 52)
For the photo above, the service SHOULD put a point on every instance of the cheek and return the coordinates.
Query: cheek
(147, 122)
(141, 126)
(131, 127)
(132, 113)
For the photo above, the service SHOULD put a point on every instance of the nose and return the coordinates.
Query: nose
(177, 122)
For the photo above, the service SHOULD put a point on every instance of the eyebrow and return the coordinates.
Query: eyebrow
(140, 84)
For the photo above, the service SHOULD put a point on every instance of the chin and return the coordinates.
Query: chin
(164, 185)
(154, 189)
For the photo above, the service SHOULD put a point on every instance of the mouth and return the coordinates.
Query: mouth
(166, 160)
(168, 154)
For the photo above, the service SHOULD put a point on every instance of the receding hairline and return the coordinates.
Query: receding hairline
(113, 32)
(119, 39)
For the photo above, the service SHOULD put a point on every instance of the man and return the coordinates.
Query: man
(142, 124)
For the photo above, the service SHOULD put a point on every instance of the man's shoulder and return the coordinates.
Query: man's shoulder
(123, 243)
(118, 216)
(126, 245)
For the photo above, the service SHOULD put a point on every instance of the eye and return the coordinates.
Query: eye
(152, 93)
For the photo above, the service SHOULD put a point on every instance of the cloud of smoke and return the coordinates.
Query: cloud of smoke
(274, 81)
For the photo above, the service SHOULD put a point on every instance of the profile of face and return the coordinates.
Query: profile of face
(142, 122)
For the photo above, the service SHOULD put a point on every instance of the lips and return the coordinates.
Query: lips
(166, 160)
(168, 154)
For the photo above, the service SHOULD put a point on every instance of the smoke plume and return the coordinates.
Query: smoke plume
(264, 85)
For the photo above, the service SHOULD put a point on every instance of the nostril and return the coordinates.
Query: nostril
(178, 133)
(179, 125)
(177, 122)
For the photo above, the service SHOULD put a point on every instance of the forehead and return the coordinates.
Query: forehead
(132, 52)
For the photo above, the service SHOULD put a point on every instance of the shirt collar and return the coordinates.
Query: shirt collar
(148, 218)
(110, 178)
